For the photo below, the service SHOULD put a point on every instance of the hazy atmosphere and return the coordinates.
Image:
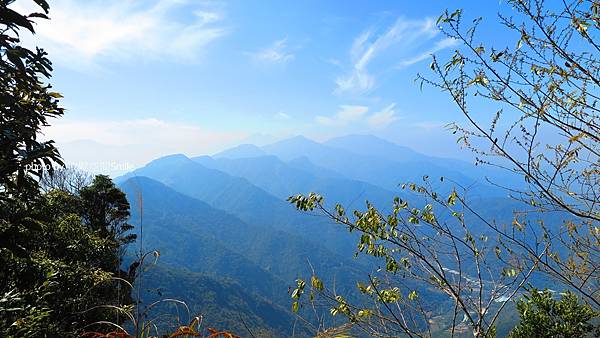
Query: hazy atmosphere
(150, 78)
(327, 169)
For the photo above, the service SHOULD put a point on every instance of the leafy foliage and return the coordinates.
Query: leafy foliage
(26, 103)
(57, 264)
(64, 270)
(106, 210)
(544, 316)
(542, 121)
(430, 263)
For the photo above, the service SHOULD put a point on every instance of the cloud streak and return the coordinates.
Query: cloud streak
(383, 118)
(404, 40)
(344, 116)
(282, 116)
(81, 33)
(440, 45)
(349, 114)
(276, 53)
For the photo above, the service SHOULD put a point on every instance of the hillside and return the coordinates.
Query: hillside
(191, 235)
(221, 301)
(226, 217)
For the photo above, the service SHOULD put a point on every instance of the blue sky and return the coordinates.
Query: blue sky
(143, 78)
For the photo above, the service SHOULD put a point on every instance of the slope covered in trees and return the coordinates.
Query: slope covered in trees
(193, 237)
(246, 241)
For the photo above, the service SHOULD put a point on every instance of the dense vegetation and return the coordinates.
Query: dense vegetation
(60, 249)
(59, 267)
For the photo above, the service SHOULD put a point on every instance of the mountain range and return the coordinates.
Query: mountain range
(224, 221)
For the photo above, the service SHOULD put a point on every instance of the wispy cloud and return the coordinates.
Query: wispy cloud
(282, 116)
(81, 33)
(344, 116)
(277, 52)
(404, 40)
(359, 115)
(440, 45)
(430, 125)
(383, 118)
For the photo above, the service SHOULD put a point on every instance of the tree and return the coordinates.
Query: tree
(67, 274)
(543, 316)
(26, 104)
(546, 84)
(471, 264)
(437, 274)
(68, 178)
(106, 209)
(58, 260)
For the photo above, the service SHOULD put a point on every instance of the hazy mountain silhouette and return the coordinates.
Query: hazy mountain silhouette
(375, 161)
(241, 151)
(284, 179)
(226, 218)
(370, 145)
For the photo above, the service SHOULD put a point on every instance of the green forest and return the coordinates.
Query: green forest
(352, 237)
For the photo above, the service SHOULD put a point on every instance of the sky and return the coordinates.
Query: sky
(145, 78)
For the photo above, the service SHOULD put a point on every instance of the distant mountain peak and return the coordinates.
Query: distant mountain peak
(299, 139)
(136, 180)
(371, 145)
(361, 137)
(364, 139)
(170, 159)
(241, 151)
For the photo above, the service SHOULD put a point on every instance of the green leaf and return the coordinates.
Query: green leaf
(7, 15)
(38, 15)
(317, 283)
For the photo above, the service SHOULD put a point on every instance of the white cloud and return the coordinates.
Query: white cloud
(282, 116)
(359, 116)
(335, 62)
(383, 118)
(430, 125)
(404, 39)
(138, 140)
(275, 53)
(344, 116)
(82, 32)
(440, 45)
(357, 81)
